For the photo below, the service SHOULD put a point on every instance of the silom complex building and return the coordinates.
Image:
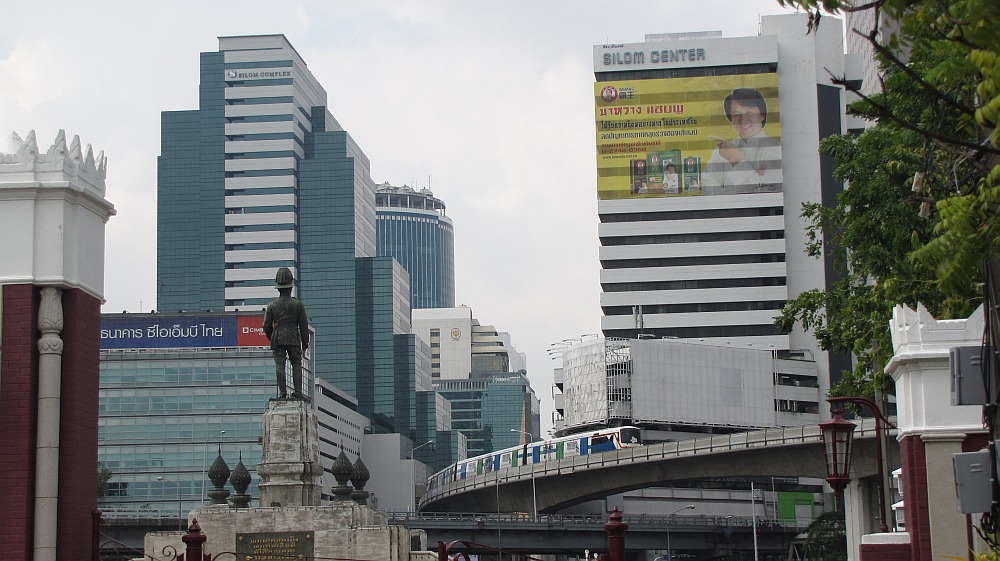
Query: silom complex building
(262, 176)
(707, 147)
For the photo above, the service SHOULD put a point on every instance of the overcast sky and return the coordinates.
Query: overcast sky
(487, 103)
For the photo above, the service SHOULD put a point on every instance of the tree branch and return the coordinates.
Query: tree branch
(883, 110)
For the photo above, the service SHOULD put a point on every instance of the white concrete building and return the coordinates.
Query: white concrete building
(460, 344)
(713, 247)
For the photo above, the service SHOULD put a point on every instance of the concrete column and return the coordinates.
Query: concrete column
(855, 518)
(50, 348)
(949, 531)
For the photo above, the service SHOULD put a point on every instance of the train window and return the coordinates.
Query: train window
(598, 440)
(631, 436)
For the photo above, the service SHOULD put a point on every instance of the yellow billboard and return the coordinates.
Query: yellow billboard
(674, 137)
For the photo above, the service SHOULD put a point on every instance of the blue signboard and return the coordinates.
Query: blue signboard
(161, 331)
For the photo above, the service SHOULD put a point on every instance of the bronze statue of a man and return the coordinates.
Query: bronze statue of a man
(287, 327)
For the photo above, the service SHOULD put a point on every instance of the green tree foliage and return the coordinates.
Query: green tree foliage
(827, 538)
(934, 126)
(103, 477)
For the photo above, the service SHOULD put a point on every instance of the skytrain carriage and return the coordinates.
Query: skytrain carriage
(593, 442)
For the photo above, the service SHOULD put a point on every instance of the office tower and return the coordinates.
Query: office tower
(413, 229)
(707, 147)
(472, 366)
(176, 391)
(262, 176)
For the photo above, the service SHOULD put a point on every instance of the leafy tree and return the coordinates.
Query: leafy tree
(827, 538)
(104, 475)
(919, 216)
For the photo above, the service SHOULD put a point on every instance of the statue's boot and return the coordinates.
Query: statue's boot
(297, 381)
(282, 388)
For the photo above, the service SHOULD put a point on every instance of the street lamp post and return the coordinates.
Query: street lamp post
(534, 495)
(204, 462)
(419, 447)
(670, 555)
(838, 435)
(180, 510)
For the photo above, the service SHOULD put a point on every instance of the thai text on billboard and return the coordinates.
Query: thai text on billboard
(182, 331)
(675, 137)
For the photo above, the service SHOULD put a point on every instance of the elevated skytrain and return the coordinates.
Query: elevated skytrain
(591, 442)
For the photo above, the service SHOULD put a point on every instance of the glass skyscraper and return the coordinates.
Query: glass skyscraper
(262, 176)
(413, 229)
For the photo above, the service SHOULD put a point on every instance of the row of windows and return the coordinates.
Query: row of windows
(254, 83)
(183, 377)
(260, 155)
(703, 332)
(691, 284)
(261, 100)
(246, 283)
(261, 191)
(797, 380)
(262, 136)
(261, 173)
(792, 406)
(157, 429)
(262, 264)
(260, 227)
(260, 209)
(693, 238)
(695, 260)
(260, 118)
(126, 458)
(712, 213)
(695, 307)
(246, 401)
(728, 70)
(261, 245)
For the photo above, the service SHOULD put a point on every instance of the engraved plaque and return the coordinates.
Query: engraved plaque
(274, 546)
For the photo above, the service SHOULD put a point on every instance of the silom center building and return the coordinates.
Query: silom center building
(707, 147)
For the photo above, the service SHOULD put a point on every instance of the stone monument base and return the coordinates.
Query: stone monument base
(290, 472)
(339, 530)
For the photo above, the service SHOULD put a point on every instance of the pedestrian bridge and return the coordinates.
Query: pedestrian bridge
(789, 452)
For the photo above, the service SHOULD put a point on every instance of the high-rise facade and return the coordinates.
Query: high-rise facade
(176, 391)
(482, 375)
(414, 229)
(707, 148)
(262, 176)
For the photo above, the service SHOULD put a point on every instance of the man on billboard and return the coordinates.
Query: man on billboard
(750, 163)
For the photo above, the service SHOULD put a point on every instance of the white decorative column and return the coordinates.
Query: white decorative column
(931, 429)
(290, 472)
(52, 224)
(50, 349)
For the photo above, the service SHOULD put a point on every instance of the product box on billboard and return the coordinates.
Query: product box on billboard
(662, 171)
(692, 174)
(638, 176)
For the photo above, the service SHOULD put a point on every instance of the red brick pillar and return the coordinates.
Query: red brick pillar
(18, 401)
(81, 366)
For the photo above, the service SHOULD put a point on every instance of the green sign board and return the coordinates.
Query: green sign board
(274, 546)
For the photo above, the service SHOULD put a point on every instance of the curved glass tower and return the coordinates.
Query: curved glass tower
(412, 227)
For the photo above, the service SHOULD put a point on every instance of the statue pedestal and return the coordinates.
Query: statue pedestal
(290, 472)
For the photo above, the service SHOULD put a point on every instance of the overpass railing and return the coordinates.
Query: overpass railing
(716, 444)
(569, 521)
